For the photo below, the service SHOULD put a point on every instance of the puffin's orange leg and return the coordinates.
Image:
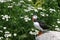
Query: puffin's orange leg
(39, 33)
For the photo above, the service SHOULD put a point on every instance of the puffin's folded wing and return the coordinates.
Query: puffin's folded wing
(43, 25)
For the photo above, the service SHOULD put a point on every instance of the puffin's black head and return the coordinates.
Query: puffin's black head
(34, 17)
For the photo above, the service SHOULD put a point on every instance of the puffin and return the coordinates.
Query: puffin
(40, 25)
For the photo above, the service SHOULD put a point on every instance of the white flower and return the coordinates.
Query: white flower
(7, 32)
(47, 15)
(7, 35)
(14, 2)
(57, 29)
(56, 26)
(32, 29)
(30, 8)
(18, 4)
(58, 21)
(53, 25)
(10, 6)
(2, 1)
(52, 10)
(21, 17)
(35, 10)
(31, 13)
(44, 9)
(5, 17)
(4, 27)
(54, 0)
(29, 19)
(22, 1)
(15, 34)
(34, 33)
(26, 18)
(1, 38)
(2, 15)
(40, 8)
(31, 32)
(8, 0)
(42, 14)
(29, 0)
(1, 31)
(26, 10)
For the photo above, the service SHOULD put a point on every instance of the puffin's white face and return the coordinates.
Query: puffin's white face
(35, 17)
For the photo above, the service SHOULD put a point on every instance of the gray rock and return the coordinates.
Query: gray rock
(50, 35)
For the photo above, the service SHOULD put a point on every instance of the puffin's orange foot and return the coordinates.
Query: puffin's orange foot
(40, 33)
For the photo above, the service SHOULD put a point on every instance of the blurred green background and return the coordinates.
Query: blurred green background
(16, 17)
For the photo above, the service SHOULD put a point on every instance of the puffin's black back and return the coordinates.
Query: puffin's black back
(43, 24)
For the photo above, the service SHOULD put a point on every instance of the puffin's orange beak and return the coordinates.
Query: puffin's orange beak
(32, 19)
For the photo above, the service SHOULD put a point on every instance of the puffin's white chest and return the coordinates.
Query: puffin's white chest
(36, 24)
